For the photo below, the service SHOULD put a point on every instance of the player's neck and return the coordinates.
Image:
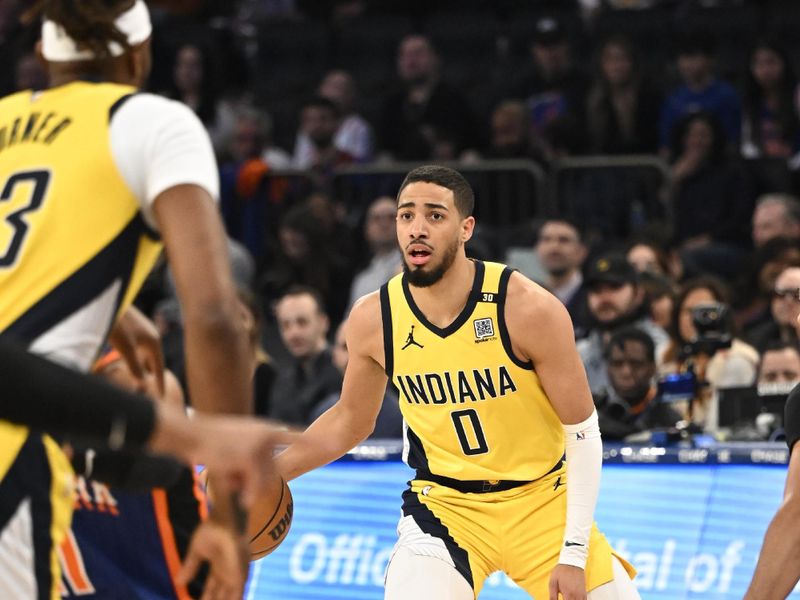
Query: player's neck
(443, 301)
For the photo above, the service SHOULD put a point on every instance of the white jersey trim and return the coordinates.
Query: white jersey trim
(74, 342)
(16, 555)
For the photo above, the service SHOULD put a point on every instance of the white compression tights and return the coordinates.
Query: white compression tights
(414, 576)
(622, 588)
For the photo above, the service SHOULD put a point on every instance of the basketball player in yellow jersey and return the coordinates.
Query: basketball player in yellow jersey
(93, 176)
(493, 394)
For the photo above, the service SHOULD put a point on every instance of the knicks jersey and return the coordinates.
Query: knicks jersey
(130, 545)
(472, 409)
(74, 248)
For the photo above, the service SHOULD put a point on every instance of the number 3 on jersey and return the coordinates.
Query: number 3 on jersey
(37, 182)
(469, 431)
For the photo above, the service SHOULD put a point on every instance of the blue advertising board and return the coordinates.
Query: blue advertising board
(692, 530)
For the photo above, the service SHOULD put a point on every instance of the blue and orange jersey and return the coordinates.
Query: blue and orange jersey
(130, 545)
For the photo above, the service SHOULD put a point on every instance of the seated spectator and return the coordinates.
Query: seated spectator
(319, 122)
(660, 296)
(511, 134)
(775, 215)
(712, 350)
(648, 256)
(780, 364)
(615, 299)
(711, 200)
(252, 138)
(754, 288)
(248, 199)
(195, 84)
(337, 233)
(560, 249)
(700, 91)
(310, 377)
(354, 135)
(305, 257)
(631, 403)
(553, 88)
(784, 311)
(380, 233)
(426, 118)
(389, 422)
(770, 126)
(622, 107)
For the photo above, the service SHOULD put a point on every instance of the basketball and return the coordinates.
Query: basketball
(269, 519)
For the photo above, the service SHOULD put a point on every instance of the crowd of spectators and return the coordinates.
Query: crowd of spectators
(292, 94)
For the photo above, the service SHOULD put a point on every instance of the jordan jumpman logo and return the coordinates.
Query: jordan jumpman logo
(410, 340)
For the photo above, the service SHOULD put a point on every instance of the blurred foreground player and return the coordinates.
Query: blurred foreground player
(493, 393)
(134, 513)
(48, 397)
(92, 177)
(778, 568)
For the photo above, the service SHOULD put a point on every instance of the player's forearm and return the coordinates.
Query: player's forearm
(328, 438)
(52, 398)
(217, 360)
(584, 451)
(777, 570)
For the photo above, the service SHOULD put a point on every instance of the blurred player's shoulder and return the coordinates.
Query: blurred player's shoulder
(156, 107)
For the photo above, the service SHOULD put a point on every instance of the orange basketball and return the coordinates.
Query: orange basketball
(269, 519)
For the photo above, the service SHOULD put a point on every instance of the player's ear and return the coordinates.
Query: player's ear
(467, 227)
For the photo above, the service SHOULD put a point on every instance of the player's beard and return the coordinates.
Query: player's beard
(418, 277)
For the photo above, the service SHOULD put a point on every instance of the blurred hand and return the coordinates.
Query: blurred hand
(136, 338)
(568, 581)
(687, 163)
(227, 556)
(237, 450)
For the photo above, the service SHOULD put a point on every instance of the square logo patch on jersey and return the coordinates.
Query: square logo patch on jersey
(484, 328)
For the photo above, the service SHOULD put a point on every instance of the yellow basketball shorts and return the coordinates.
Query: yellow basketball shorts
(36, 500)
(519, 531)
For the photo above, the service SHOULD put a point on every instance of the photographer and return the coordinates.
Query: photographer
(704, 343)
(631, 404)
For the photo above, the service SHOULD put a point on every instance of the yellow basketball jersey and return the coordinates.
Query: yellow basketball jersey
(473, 410)
(70, 228)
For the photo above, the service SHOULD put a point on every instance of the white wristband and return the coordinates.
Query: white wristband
(584, 451)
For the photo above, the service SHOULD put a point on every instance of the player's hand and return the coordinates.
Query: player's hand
(137, 340)
(237, 450)
(226, 553)
(568, 581)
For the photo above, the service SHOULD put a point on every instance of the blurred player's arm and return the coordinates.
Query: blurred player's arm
(137, 340)
(352, 418)
(778, 570)
(557, 363)
(217, 359)
(165, 155)
(52, 398)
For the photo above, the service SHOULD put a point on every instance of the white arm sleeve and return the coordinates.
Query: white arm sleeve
(157, 144)
(584, 462)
